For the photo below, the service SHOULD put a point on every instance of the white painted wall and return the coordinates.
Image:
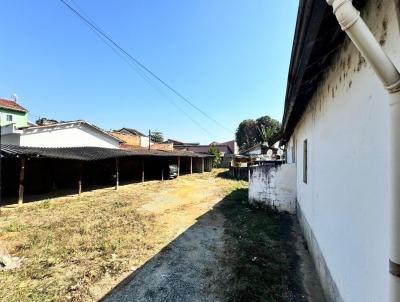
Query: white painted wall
(10, 135)
(11, 139)
(66, 136)
(144, 141)
(235, 148)
(345, 201)
(273, 186)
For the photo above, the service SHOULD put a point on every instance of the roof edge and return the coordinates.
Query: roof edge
(98, 129)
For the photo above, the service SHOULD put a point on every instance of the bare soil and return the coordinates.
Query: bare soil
(191, 239)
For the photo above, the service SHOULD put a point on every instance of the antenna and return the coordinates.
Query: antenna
(14, 97)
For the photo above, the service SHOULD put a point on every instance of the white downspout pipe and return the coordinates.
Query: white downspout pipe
(351, 22)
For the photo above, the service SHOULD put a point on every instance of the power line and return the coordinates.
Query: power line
(99, 31)
(141, 73)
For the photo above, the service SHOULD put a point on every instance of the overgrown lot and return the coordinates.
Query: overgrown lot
(76, 249)
(69, 245)
(79, 249)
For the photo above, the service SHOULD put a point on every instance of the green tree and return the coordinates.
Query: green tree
(217, 155)
(267, 128)
(247, 134)
(157, 137)
(252, 132)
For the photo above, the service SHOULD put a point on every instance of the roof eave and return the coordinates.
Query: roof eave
(14, 109)
(317, 39)
(309, 19)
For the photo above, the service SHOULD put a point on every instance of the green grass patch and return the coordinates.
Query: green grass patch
(264, 269)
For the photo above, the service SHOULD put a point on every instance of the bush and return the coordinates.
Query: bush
(217, 156)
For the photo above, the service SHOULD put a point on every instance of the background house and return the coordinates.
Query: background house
(132, 137)
(135, 139)
(13, 113)
(264, 151)
(64, 134)
(227, 149)
(255, 150)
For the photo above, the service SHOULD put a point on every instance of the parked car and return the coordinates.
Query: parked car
(172, 171)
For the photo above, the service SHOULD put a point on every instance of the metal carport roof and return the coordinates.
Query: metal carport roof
(89, 153)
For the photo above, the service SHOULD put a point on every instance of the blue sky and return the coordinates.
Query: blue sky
(229, 57)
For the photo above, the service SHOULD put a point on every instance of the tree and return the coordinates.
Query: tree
(156, 137)
(252, 132)
(268, 128)
(247, 134)
(217, 155)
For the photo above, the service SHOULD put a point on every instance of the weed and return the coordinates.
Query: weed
(263, 263)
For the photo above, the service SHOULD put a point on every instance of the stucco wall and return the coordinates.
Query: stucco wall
(67, 136)
(144, 141)
(162, 146)
(273, 186)
(130, 139)
(20, 119)
(345, 200)
(11, 139)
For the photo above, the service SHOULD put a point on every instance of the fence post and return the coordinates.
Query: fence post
(116, 173)
(21, 182)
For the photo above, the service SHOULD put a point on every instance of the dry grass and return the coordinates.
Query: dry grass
(76, 249)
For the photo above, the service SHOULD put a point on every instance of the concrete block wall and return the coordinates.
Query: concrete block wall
(273, 186)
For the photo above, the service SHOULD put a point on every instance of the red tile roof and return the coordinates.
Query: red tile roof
(11, 105)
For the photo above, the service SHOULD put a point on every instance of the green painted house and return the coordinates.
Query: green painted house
(13, 113)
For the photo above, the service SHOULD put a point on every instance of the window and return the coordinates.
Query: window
(9, 118)
(293, 154)
(294, 150)
(305, 161)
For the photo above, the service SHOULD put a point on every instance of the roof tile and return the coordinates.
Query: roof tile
(9, 104)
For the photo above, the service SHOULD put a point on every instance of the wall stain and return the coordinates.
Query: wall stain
(361, 62)
(382, 39)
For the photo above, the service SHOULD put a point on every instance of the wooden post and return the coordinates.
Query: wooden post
(21, 182)
(162, 174)
(202, 165)
(179, 165)
(80, 179)
(116, 173)
(142, 170)
(191, 165)
(79, 187)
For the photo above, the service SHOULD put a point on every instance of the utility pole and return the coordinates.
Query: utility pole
(149, 138)
(0, 159)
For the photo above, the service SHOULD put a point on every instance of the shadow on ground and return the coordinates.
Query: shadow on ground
(232, 253)
(11, 201)
(225, 175)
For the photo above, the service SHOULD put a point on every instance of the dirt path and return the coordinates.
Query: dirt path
(188, 269)
(230, 253)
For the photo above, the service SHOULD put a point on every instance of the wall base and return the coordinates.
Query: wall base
(331, 291)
